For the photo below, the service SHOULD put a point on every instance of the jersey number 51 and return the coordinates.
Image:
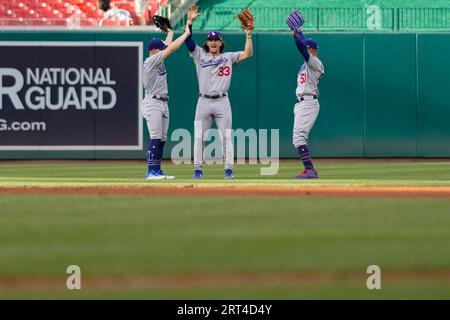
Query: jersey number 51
(302, 78)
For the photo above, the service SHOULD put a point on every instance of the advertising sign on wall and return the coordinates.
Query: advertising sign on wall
(70, 95)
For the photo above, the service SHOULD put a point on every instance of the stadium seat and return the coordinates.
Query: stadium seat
(130, 8)
(55, 12)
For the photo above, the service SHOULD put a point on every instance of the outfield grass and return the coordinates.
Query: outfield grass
(141, 236)
(436, 291)
(144, 241)
(332, 173)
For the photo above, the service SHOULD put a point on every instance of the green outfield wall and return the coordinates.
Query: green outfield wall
(382, 95)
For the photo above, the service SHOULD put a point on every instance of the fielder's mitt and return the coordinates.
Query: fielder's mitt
(162, 23)
(295, 21)
(247, 20)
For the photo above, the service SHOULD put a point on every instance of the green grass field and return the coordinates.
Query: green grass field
(229, 247)
(332, 173)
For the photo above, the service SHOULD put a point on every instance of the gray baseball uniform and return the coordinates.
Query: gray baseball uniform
(154, 111)
(307, 109)
(214, 78)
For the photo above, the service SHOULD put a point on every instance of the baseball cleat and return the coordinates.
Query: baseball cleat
(228, 174)
(307, 174)
(154, 175)
(166, 176)
(198, 174)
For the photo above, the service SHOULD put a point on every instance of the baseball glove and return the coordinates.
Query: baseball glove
(246, 19)
(162, 23)
(295, 21)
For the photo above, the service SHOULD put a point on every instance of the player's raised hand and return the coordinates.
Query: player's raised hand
(248, 33)
(193, 13)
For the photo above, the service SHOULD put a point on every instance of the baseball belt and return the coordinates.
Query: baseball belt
(160, 98)
(217, 96)
(302, 98)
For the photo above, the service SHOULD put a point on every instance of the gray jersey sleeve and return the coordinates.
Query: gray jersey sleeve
(196, 55)
(153, 61)
(315, 64)
(234, 57)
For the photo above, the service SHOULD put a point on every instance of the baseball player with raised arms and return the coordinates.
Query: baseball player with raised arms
(154, 107)
(307, 107)
(214, 70)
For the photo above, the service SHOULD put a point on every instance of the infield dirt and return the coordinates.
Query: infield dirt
(423, 192)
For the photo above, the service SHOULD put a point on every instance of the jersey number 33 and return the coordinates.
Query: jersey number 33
(224, 71)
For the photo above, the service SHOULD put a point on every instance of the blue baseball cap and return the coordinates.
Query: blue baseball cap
(156, 43)
(214, 36)
(311, 43)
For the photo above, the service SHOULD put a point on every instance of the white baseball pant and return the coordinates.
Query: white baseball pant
(156, 113)
(305, 115)
(208, 110)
